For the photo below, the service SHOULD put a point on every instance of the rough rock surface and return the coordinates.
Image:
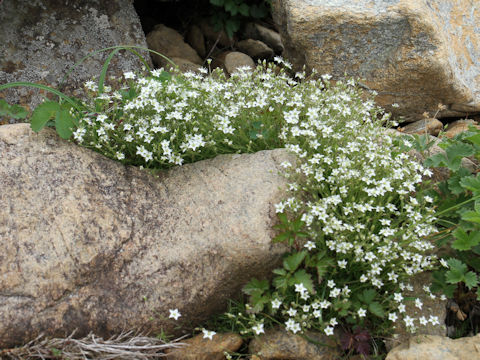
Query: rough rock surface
(91, 244)
(266, 35)
(278, 344)
(430, 126)
(200, 348)
(437, 347)
(414, 53)
(42, 40)
(170, 43)
(459, 126)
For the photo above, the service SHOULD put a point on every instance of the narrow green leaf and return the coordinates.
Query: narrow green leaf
(42, 114)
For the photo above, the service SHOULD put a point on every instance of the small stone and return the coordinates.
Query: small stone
(185, 65)
(255, 48)
(278, 344)
(198, 348)
(196, 40)
(459, 126)
(431, 126)
(170, 43)
(230, 61)
(266, 35)
(438, 348)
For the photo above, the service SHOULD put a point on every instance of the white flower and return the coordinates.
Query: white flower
(434, 320)
(392, 317)
(258, 329)
(291, 325)
(408, 321)
(423, 320)
(418, 303)
(331, 283)
(129, 75)
(208, 334)
(444, 263)
(300, 288)
(276, 303)
(174, 314)
(292, 312)
(329, 330)
(401, 308)
(333, 321)
(310, 245)
(362, 312)
(342, 264)
(119, 155)
(397, 297)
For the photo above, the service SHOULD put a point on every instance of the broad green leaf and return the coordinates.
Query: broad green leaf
(42, 114)
(293, 261)
(281, 272)
(258, 11)
(464, 241)
(473, 216)
(474, 139)
(231, 7)
(281, 282)
(217, 2)
(231, 27)
(471, 183)
(367, 296)
(282, 237)
(301, 276)
(243, 9)
(454, 181)
(64, 123)
(283, 218)
(255, 286)
(457, 271)
(471, 279)
(376, 309)
(258, 301)
(439, 284)
(323, 265)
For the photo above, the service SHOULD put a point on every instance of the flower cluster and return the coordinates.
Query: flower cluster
(355, 193)
(159, 122)
(352, 188)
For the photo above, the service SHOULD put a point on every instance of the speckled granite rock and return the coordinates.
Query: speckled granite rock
(437, 347)
(42, 40)
(200, 348)
(278, 344)
(91, 244)
(414, 53)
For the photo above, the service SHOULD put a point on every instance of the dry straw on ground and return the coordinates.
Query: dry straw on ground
(124, 346)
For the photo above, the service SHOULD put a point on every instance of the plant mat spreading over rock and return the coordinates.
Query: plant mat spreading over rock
(127, 345)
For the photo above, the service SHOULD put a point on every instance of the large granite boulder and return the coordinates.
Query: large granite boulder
(42, 40)
(438, 348)
(90, 244)
(413, 53)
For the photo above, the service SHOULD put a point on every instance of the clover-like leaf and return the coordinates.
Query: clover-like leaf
(42, 114)
(293, 261)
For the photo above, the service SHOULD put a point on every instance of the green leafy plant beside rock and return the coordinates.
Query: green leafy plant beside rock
(458, 240)
(230, 14)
